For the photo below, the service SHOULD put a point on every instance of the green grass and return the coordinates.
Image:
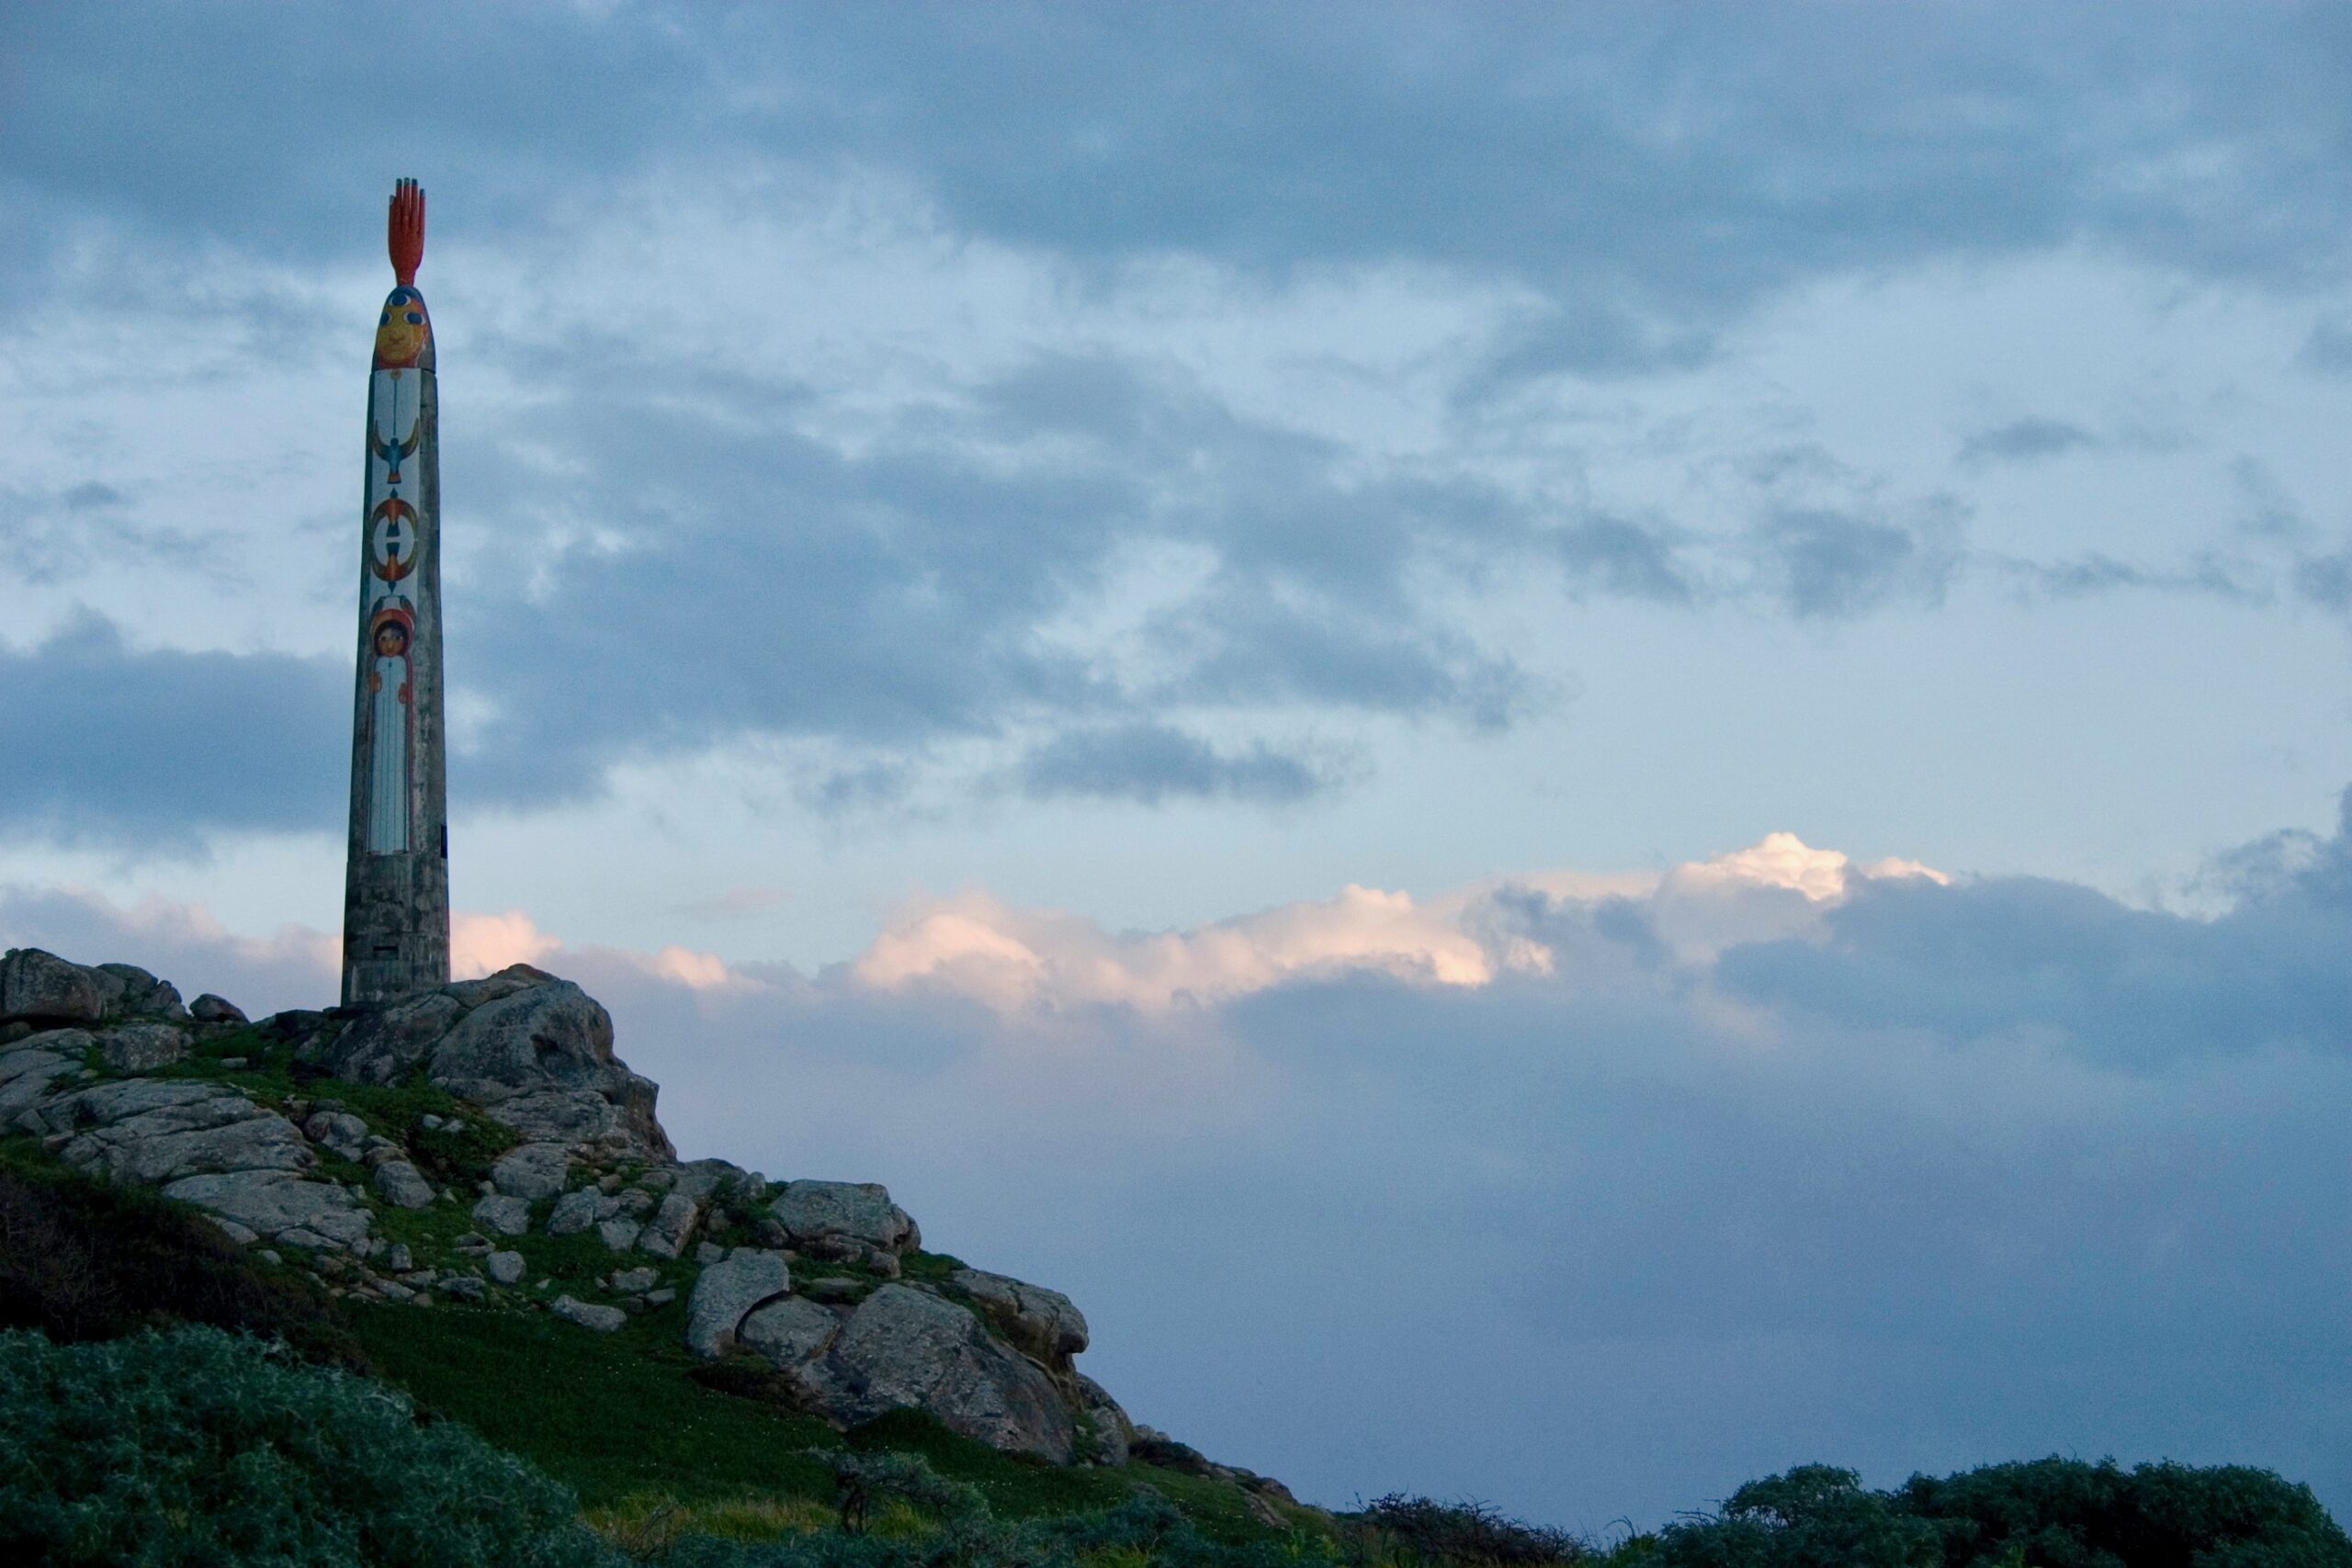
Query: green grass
(268, 1076)
(619, 1418)
(430, 1234)
(622, 1418)
(1018, 1488)
(608, 1416)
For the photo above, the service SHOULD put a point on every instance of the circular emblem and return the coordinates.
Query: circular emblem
(391, 540)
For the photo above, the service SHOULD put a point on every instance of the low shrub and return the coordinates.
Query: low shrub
(197, 1447)
(1143, 1530)
(1419, 1529)
(2051, 1513)
(84, 1259)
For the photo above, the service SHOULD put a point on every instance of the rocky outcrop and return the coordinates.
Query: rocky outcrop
(41, 988)
(31, 1067)
(143, 1047)
(533, 1171)
(400, 1184)
(727, 1293)
(1041, 1324)
(904, 1346)
(602, 1319)
(151, 1130)
(279, 1206)
(810, 1277)
(210, 1009)
(131, 992)
(847, 1222)
(533, 1050)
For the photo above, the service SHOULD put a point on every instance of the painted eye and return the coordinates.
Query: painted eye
(414, 320)
(385, 319)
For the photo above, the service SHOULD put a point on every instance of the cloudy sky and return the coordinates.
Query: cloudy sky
(1578, 749)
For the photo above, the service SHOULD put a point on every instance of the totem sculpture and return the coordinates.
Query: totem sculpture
(396, 889)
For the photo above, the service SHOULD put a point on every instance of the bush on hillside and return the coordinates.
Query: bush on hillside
(1421, 1530)
(2051, 1513)
(83, 1260)
(1146, 1528)
(197, 1447)
(861, 1479)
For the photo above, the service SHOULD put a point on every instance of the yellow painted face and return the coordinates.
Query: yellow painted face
(402, 331)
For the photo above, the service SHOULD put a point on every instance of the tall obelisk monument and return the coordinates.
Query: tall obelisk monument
(396, 891)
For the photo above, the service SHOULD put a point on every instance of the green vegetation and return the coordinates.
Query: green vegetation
(2051, 1513)
(607, 1415)
(269, 1073)
(197, 1447)
(120, 1444)
(84, 1259)
(632, 1421)
(1396, 1530)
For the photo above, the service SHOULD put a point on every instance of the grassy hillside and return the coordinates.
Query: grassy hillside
(708, 1465)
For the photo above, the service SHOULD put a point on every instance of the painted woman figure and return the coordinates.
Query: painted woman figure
(387, 686)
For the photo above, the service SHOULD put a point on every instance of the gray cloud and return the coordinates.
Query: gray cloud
(2022, 440)
(2139, 990)
(49, 536)
(2326, 581)
(1832, 565)
(1639, 180)
(891, 601)
(111, 744)
(1622, 558)
(1651, 175)
(2329, 346)
(1152, 764)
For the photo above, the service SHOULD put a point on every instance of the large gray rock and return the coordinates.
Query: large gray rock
(791, 1332)
(845, 1221)
(575, 1211)
(728, 1291)
(504, 1214)
(666, 1232)
(540, 1058)
(338, 1132)
(470, 994)
(1114, 1435)
(154, 1130)
(384, 1045)
(706, 1181)
(279, 1205)
(143, 1047)
(620, 1232)
(131, 992)
(42, 987)
(210, 1009)
(402, 1185)
(906, 1348)
(602, 1319)
(29, 1071)
(506, 1268)
(532, 1171)
(1043, 1323)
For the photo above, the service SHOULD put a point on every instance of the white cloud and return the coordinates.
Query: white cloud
(1013, 960)
(483, 944)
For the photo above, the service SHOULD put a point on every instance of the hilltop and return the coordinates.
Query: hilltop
(461, 1215)
(480, 1192)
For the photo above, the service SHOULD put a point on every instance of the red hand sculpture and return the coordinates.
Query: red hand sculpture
(404, 232)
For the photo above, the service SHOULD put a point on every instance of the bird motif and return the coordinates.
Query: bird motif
(393, 452)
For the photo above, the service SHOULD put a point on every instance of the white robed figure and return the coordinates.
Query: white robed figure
(387, 740)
